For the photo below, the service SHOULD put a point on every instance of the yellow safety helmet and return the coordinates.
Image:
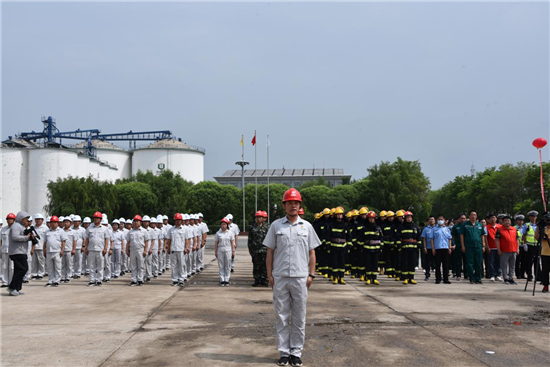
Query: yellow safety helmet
(364, 210)
(332, 211)
(326, 211)
(349, 214)
(383, 213)
(339, 210)
(355, 212)
(389, 213)
(317, 215)
(400, 213)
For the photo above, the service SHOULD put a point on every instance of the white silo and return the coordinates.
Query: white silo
(14, 179)
(45, 165)
(112, 154)
(170, 154)
(82, 168)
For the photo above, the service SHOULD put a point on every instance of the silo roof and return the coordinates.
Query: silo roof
(98, 144)
(169, 144)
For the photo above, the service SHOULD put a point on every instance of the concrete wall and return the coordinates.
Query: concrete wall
(13, 193)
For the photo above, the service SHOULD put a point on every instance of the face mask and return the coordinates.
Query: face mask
(440, 222)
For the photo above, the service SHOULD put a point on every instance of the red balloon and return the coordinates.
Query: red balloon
(539, 143)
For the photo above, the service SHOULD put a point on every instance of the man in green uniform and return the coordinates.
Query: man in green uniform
(474, 242)
(257, 250)
(457, 255)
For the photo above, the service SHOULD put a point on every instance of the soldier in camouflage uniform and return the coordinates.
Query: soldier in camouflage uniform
(257, 250)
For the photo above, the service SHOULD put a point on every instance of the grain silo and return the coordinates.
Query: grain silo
(170, 154)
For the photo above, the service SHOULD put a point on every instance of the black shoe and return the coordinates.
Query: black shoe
(148, 280)
(193, 273)
(256, 284)
(202, 269)
(283, 361)
(174, 284)
(180, 284)
(512, 282)
(56, 284)
(91, 284)
(226, 284)
(154, 277)
(40, 277)
(98, 284)
(107, 280)
(295, 361)
(140, 283)
(115, 276)
(471, 281)
(478, 282)
(4, 286)
(48, 285)
(232, 270)
(133, 284)
(437, 281)
(25, 281)
(447, 282)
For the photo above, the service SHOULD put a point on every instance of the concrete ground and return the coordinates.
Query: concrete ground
(204, 324)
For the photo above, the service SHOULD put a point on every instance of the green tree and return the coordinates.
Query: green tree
(136, 198)
(399, 185)
(214, 201)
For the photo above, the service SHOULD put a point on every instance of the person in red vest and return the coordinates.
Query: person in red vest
(494, 270)
(507, 240)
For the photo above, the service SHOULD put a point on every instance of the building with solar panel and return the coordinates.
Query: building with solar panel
(290, 177)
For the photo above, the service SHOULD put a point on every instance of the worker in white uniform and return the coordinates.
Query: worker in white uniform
(187, 251)
(162, 245)
(195, 247)
(290, 262)
(85, 264)
(107, 262)
(7, 263)
(136, 249)
(54, 246)
(129, 224)
(224, 248)
(77, 250)
(204, 235)
(38, 260)
(155, 247)
(70, 244)
(123, 257)
(236, 231)
(118, 248)
(27, 276)
(177, 240)
(167, 227)
(148, 261)
(96, 243)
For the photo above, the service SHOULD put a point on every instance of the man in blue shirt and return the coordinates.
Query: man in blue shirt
(440, 240)
(428, 257)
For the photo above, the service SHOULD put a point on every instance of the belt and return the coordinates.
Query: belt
(338, 240)
(409, 240)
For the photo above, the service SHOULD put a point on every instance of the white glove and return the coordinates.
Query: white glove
(525, 247)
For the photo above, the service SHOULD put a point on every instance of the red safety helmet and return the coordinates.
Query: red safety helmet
(407, 213)
(10, 216)
(301, 211)
(98, 215)
(54, 219)
(137, 217)
(178, 216)
(225, 220)
(259, 213)
(292, 195)
(264, 213)
(371, 214)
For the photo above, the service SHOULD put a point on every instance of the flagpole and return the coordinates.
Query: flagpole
(256, 169)
(268, 207)
(242, 163)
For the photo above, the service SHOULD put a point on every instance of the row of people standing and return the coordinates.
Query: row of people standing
(365, 245)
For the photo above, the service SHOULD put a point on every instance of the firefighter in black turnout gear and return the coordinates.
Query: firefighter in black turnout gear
(338, 233)
(408, 240)
(373, 240)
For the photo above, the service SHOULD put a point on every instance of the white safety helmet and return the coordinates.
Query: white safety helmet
(38, 216)
(186, 217)
(116, 221)
(61, 219)
(72, 216)
(229, 216)
(164, 217)
(48, 219)
(122, 220)
(145, 218)
(87, 220)
(104, 216)
(29, 218)
(77, 218)
(104, 221)
(153, 220)
(128, 221)
(67, 218)
(200, 215)
(159, 218)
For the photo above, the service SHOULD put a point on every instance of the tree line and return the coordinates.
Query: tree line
(396, 185)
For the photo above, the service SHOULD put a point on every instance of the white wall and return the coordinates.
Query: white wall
(189, 164)
(13, 193)
(45, 165)
(121, 159)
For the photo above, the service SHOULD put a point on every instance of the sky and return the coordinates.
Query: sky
(335, 85)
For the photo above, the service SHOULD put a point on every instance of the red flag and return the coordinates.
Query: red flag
(254, 139)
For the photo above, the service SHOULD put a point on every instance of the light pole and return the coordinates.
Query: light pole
(242, 164)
